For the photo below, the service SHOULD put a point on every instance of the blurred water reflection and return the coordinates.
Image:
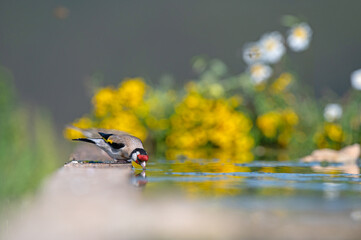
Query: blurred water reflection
(296, 181)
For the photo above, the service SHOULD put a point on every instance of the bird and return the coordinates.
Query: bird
(118, 145)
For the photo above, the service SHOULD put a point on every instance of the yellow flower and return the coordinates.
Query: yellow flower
(334, 132)
(83, 122)
(331, 135)
(103, 101)
(131, 92)
(201, 123)
(278, 124)
(281, 83)
(119, 109)
(290, 117)
(193, 100)
(268, 123)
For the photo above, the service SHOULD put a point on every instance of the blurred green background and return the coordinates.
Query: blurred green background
(53, 54)
(55, 48)
(29, 150)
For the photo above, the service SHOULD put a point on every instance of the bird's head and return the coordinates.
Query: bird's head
(140, 156)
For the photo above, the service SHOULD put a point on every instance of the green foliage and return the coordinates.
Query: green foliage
(27, 146)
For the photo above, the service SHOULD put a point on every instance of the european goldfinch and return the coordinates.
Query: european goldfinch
(118, 145)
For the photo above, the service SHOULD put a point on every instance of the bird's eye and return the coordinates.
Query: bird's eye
(117, 145)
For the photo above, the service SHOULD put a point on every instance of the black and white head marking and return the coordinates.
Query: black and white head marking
(138, 151)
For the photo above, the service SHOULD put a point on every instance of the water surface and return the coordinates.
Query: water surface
(291, 184)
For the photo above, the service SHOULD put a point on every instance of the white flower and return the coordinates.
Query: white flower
(252, 53)
(260, 72)
(299, 37)
(356, 79)
(272, 47)
(332, 112)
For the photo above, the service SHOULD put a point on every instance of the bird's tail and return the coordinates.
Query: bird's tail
(85, 132)
(74, 128)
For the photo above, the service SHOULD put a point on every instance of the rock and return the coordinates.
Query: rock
(347, 154)
(96, 201)
(90, 202)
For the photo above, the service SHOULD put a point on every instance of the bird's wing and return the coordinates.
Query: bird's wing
(94, 132)
(115, 142)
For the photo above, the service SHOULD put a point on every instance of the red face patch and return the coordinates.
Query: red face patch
(143, 157)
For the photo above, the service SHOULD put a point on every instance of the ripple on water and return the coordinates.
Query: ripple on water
(227, 180)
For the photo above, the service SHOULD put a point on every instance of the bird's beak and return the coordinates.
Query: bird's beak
(143, 164)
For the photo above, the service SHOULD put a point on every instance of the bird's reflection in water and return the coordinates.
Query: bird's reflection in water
(139, 179)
